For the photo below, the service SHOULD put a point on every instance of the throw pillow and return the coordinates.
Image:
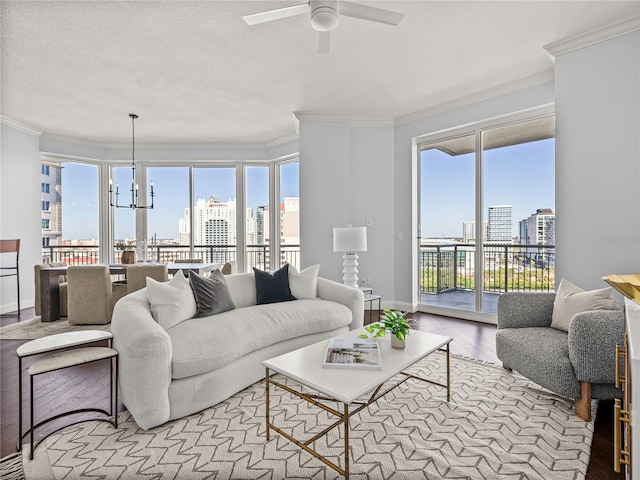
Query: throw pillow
(211, 293)
(171, 302)
(272, 287)
(304, 284)
(571, 299)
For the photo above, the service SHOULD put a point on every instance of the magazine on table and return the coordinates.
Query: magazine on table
(352, 353)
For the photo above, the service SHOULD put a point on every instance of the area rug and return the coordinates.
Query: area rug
(498, 425)
(34, 328)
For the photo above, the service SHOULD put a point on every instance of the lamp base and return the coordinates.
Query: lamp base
(350, 269)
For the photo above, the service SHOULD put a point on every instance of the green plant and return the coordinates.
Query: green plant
(390, 321)
(125, 245)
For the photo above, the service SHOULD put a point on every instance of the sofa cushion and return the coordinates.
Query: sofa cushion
(304, 284)
(243, 289)
(201, 345)
(171, 302)
(571, 299)
(211, 294)
(272, 287)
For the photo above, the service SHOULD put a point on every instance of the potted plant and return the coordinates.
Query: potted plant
(127, 247)
(391, 321)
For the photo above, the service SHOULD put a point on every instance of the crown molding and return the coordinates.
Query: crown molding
(73, 140)
(282, 140)
(350, 118)
(505, 88)
(23, 127)
(594, 36)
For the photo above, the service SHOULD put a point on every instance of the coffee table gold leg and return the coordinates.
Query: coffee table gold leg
(266, 386)
(448, 375)
(346, 441)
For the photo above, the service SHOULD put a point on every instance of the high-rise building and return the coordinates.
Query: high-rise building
(51, 201)
(541, 227)
(469, 231)
(290, 221)
(499, 226)
(214, 223)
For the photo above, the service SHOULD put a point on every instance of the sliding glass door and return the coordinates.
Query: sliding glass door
(486, 215)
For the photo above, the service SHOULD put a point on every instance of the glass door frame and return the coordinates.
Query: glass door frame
(477, 129)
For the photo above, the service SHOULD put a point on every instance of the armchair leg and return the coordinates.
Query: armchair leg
(583, 404)
(507, 367)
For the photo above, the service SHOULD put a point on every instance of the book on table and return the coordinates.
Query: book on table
(352, 353)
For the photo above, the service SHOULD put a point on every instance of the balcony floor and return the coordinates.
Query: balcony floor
(461, 300)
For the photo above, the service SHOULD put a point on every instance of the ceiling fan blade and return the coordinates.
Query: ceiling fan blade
(271, 15)
(373, 14)
(323, 42)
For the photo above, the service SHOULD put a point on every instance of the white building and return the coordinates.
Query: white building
(500, 224)
(541, 227)
(214, 223)
(51, 203)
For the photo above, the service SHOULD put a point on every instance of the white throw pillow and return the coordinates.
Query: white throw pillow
(171, 302)
(571, 299)
(304, 284)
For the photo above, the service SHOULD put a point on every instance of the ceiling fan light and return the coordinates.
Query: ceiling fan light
(324, 18)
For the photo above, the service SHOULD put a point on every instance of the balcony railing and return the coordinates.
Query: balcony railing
(450, 267)
(256, 255)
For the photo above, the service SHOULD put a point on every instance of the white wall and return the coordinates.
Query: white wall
(598, 161)
(20, 212)
(346, 177)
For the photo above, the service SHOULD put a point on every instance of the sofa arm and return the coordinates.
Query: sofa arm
(145, 355)
(525, 309)
(592, 344)
(352, 298)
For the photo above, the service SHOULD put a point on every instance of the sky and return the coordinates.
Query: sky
(521, 175)
(171, 186)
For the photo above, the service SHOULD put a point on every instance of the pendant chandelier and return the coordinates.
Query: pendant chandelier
(134, 181)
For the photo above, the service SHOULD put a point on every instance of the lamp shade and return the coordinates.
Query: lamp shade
(350, 239)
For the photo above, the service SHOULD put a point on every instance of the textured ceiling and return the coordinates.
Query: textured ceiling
(195, 72)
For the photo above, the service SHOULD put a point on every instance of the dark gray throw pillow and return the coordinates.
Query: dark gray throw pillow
(211, 293)
(273, 287)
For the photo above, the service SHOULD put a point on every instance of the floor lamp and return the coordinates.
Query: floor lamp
(350, 240)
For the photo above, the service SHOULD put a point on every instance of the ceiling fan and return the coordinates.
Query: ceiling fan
(325, 16)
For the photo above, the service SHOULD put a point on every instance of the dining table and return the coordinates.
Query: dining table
(50, 285)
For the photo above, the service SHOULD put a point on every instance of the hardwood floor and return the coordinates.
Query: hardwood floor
(71, 387)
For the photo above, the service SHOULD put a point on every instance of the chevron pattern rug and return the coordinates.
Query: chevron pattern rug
(498, 425)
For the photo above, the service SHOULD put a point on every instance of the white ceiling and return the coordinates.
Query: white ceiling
(195, 72)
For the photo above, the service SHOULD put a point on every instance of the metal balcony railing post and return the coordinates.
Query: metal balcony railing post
(506, 268)
(438, 260)
(455, 267)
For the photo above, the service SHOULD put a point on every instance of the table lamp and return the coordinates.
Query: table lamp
(350, 240)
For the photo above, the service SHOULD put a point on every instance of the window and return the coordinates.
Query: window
(45, 205)
(257, 214)
(45, 223)
(44, 170)
(289, 219)
(44, 187)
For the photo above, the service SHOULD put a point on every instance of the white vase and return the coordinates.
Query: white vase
(397, 343)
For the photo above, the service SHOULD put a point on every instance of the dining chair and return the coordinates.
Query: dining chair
(230, 267)
(62, 279)
(89, 295)
(137, 276)
(188, 260)
(12, 246)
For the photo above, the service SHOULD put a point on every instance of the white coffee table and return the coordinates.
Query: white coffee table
(348, 386)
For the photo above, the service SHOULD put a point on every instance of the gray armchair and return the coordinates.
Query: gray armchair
(578, 364)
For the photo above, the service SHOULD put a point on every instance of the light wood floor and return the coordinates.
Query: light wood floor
(70, 387)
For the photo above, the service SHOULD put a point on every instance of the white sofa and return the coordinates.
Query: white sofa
(168, 374)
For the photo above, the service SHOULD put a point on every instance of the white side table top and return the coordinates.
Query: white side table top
(60, 341)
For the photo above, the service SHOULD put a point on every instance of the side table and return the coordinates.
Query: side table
(370, 297)
(65, 359)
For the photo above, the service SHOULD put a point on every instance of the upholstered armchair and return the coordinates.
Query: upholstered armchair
(578, 364)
